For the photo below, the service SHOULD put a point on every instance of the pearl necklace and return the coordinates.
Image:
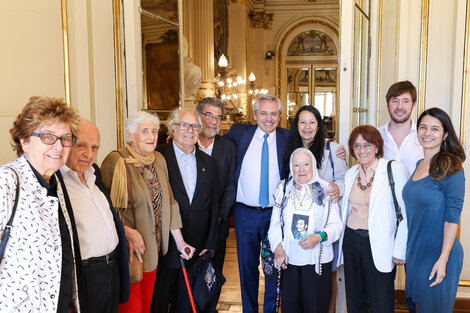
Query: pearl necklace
(367, 185)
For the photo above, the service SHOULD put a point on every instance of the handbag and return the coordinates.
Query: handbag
(7, 230)
(392, 187)
(209, 280)
(267, 254)
(136, 270)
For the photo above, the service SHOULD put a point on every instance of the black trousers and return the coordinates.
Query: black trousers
(219, 258)
(367, 289)
(99, 288)
(170, 291)
(304, 291)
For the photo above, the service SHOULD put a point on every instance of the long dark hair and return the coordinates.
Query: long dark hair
(450, 157)
(295, 141)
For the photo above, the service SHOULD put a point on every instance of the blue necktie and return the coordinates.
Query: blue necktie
(264, 181)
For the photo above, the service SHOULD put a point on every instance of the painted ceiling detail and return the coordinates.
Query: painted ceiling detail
(312, 43)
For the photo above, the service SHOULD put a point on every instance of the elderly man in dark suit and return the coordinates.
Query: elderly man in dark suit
(260, 151)
(223, 151)
(103, 264)
(193, 179)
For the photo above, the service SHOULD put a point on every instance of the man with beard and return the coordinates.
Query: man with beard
(400, 133)
(260, 152)
(224, 152)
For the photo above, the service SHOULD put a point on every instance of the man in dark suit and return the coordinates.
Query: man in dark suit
(193, 179)
(260, 152)
(223, 151)
(103, 262)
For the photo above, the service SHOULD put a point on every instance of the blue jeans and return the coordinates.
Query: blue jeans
(251, 226)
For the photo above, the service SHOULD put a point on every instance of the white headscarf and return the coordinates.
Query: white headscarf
(315, 177)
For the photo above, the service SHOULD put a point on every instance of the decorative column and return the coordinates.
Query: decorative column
(237, 26)
(202, 44)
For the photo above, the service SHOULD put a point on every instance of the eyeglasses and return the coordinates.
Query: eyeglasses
(186, 126)
(50, 139)
(358, 146)
(209, 117)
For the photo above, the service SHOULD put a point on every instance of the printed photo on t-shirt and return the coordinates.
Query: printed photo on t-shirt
(299, 226)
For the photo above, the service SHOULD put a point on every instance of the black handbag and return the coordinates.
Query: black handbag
(7, 230)
(209, 280)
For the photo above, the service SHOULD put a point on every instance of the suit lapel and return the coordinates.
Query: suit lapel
(216, 150)
(200, 174)
(245, 141)
(380, 182)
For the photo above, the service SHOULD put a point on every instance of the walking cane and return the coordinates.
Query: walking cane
(278, 289)
(186, 279)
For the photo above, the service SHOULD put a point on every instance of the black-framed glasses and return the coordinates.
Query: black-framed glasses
(186, 126)
(358, 146)
(209, 117)
(50, 139)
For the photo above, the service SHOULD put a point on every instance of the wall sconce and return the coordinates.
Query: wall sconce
(270, 55)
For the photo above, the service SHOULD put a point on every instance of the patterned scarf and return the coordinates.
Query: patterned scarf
(118, 192)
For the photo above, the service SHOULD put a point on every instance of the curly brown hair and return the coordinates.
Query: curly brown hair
(41, 111)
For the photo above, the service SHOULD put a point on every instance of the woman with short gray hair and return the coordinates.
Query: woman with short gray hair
(137, 177)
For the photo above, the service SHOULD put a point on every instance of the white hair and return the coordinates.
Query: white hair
(137, 118)
(174, 118)
(267, 97)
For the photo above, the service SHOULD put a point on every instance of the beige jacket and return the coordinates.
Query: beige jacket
(144, 219)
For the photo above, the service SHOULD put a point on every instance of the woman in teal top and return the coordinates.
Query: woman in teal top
(434, 197)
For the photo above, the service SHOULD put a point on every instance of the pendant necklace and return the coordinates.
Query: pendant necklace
(300, 199)
(148, 173)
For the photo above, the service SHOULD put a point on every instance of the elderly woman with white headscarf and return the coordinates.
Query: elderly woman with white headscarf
(304, 225)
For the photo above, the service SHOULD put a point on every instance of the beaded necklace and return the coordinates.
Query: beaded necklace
(367, 185)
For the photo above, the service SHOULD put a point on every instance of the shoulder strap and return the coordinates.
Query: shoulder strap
(392, 186)
(331, 158)
(129, 188)
(283, 203)
(7, 230)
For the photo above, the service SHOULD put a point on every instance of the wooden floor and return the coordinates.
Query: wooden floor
(231, 300)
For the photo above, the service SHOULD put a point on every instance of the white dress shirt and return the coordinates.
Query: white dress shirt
(207, 150)
(95, 224)
(188, 169)
(410, 150)
(250, 173)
